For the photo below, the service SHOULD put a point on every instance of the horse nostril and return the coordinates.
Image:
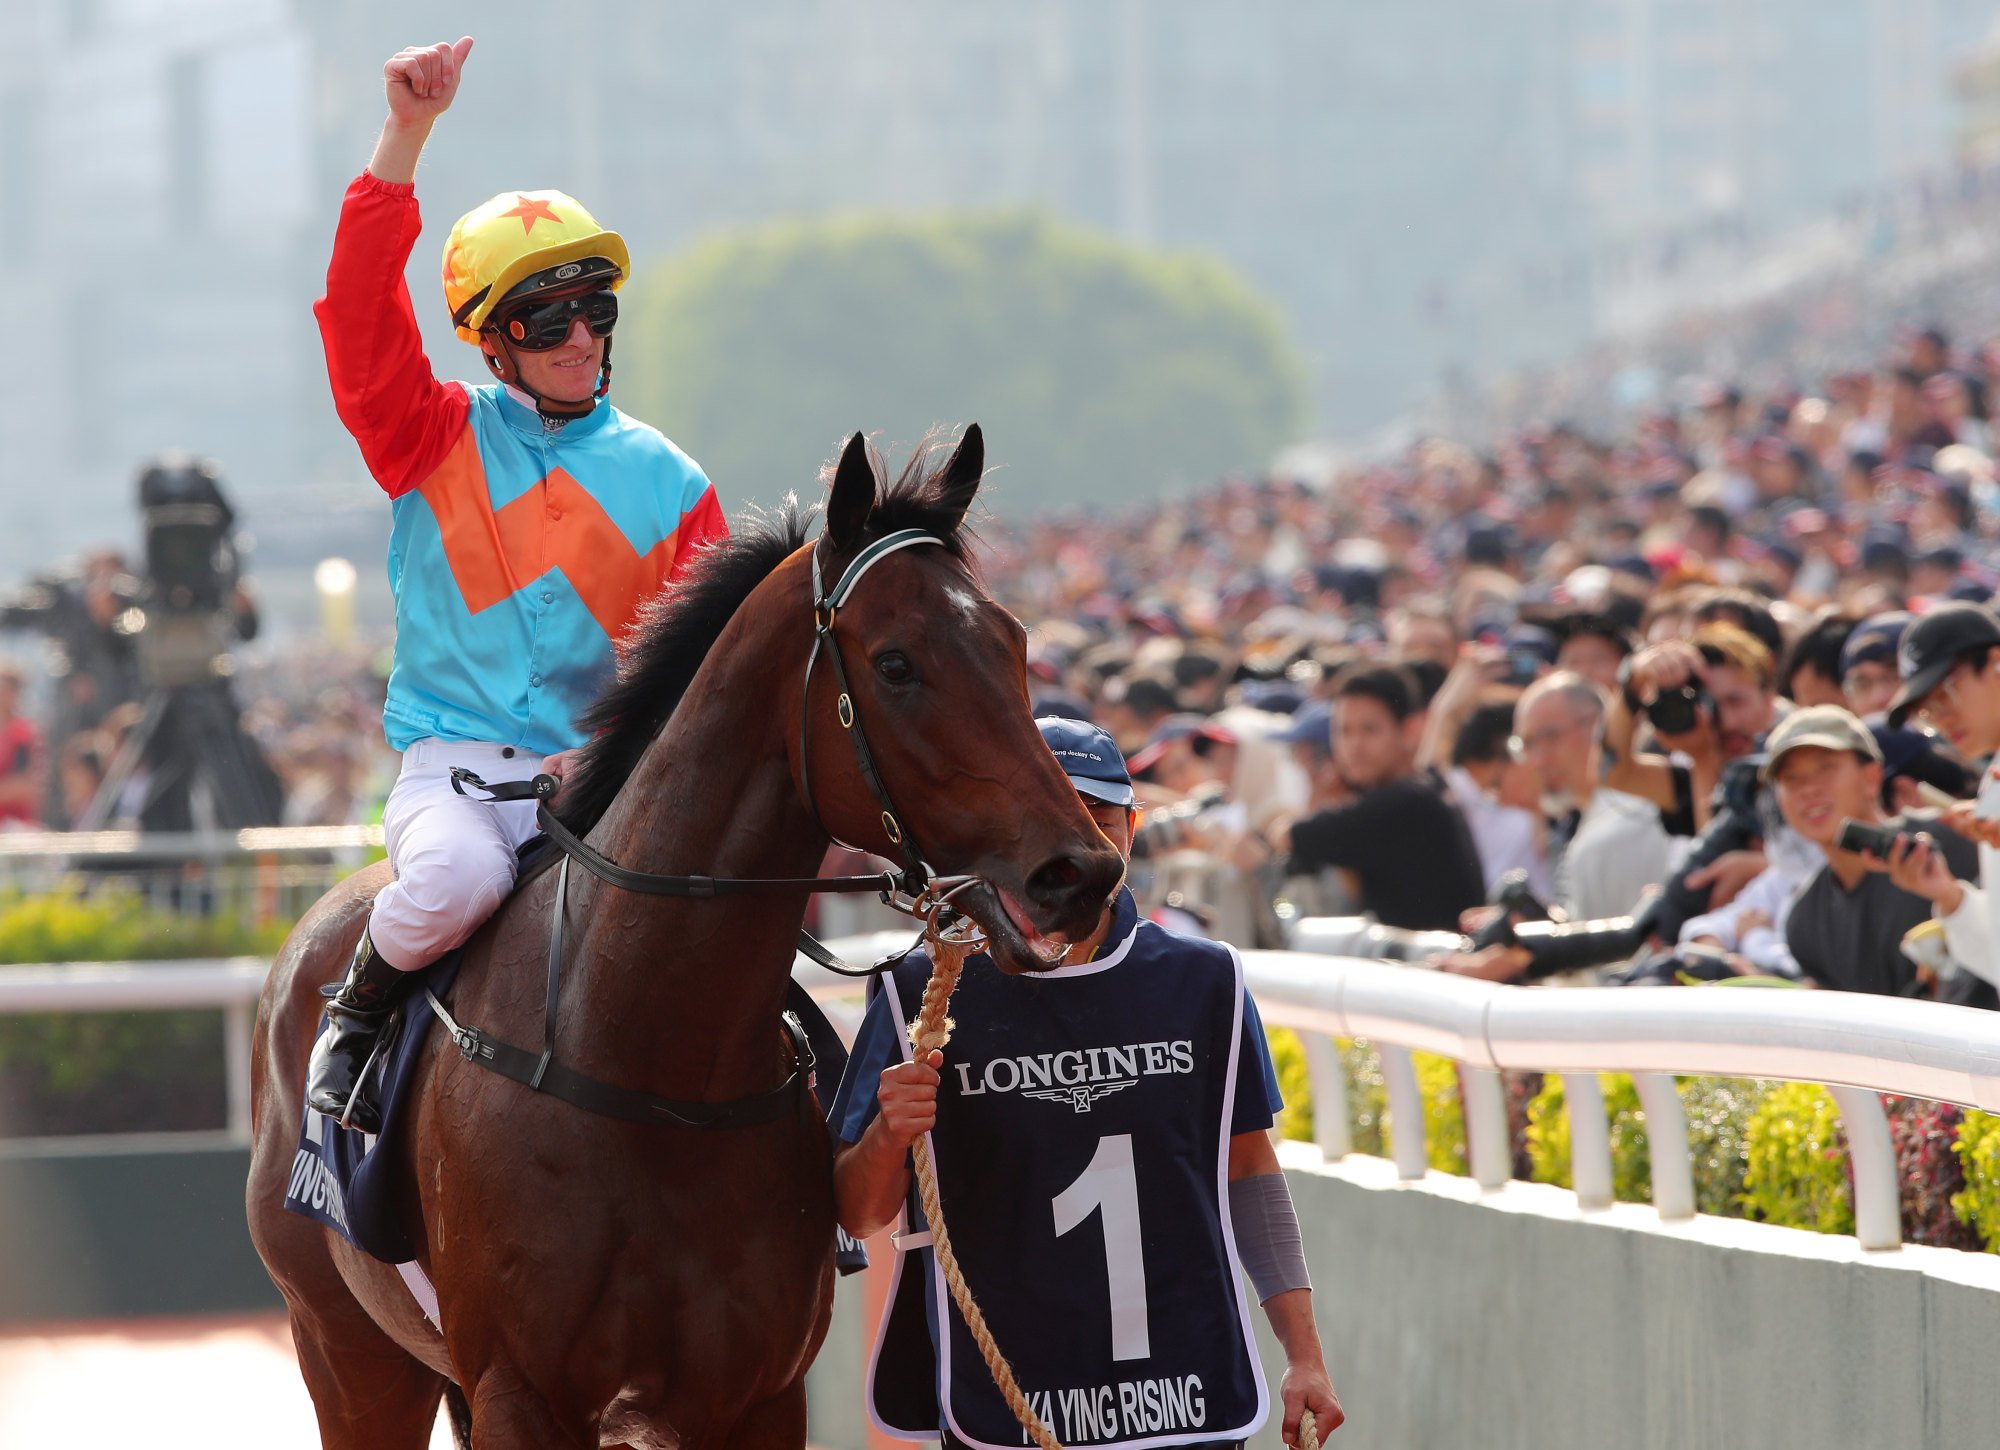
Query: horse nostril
(1055, 879)
(1066, 881)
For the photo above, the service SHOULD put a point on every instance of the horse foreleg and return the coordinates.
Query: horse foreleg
(778, 1423)
(368, 1392)
(510, 1414)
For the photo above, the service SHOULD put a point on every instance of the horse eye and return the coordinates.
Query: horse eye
(895, 667)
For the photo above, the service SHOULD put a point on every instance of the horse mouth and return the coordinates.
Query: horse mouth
(1013, 941)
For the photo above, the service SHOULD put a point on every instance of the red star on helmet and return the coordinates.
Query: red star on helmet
(532, 210)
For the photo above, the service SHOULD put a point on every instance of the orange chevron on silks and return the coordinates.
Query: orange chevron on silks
(494, 553)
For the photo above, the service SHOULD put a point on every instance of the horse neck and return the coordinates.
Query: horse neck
(691, 988)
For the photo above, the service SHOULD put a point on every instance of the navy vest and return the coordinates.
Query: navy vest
(1082, 1155)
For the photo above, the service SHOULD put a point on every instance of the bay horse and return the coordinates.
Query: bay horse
(603, 1282)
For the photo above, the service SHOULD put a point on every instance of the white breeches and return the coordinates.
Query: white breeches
(453, 855)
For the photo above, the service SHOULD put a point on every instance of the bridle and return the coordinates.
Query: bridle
(918, 890)
(921, 891)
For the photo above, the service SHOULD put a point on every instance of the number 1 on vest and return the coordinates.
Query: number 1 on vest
(1110, 1184)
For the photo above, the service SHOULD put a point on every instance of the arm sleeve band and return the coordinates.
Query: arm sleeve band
(1267, 1234)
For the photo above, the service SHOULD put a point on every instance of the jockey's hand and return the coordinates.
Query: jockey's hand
(423, 80)
(556, 764)
(908, 1095)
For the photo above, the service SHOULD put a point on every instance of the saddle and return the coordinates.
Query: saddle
(349, 1180)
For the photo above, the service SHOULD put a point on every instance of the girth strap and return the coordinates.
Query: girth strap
(608, 1101)
(543, 1074)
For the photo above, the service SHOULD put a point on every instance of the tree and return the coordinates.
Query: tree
(1101, 372)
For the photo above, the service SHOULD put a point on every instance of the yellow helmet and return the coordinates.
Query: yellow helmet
(515, 238)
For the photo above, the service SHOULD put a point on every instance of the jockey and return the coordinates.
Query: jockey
(530, 520)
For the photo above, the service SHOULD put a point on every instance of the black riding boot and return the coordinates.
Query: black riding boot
(358, 1012)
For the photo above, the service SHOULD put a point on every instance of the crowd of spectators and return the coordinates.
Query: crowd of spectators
(1652, 675)
(1655, 680)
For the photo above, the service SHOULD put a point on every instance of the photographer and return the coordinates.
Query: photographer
(1951, 679)
(1186, 771)
(86, 618)
(1846, 927)
(1709, 700)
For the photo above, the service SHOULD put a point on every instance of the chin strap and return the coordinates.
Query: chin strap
(505, 367)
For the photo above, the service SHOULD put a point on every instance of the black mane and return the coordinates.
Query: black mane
(676, 627)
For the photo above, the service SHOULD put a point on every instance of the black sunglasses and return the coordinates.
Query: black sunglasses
(539, 328)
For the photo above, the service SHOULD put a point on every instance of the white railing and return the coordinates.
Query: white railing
(262, 873)
(1858, 1046)
(233, 985)
(186, 845)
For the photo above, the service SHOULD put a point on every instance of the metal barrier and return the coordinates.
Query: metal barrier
(233, 985)
(262, 874)
(1858, 1046)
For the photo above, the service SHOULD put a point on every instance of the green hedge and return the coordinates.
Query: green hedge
(1769, 1151)
(66, 1073)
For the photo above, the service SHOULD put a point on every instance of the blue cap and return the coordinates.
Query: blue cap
(1874, 639)
(1312, 724)
(1532, 639)
(1090, 758)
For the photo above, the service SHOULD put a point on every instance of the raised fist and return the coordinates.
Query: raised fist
(422, 80)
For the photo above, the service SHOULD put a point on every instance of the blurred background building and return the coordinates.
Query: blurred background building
(1432, 194)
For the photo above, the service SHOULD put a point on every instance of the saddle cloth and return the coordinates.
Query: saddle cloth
(349, 1180)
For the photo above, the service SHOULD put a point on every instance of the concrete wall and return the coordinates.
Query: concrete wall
(96, 1228)
(1514, 1321)
(1509, 1321)
(1452, 1320)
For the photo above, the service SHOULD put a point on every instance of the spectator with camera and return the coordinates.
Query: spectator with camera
(1405, 845)
(1709, 699)
(1949, 663)
(1846, 926)
(1185, 772)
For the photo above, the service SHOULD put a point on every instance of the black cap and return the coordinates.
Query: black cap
(1932, 645)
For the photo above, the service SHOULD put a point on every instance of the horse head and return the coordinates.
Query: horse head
(935, 676)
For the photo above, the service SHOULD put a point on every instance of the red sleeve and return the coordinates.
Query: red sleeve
(700, 526)
(404, 419)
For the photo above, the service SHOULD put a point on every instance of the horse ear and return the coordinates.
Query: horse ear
(853, 494)
(959, 479)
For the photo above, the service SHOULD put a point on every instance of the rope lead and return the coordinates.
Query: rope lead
(931, 1031)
